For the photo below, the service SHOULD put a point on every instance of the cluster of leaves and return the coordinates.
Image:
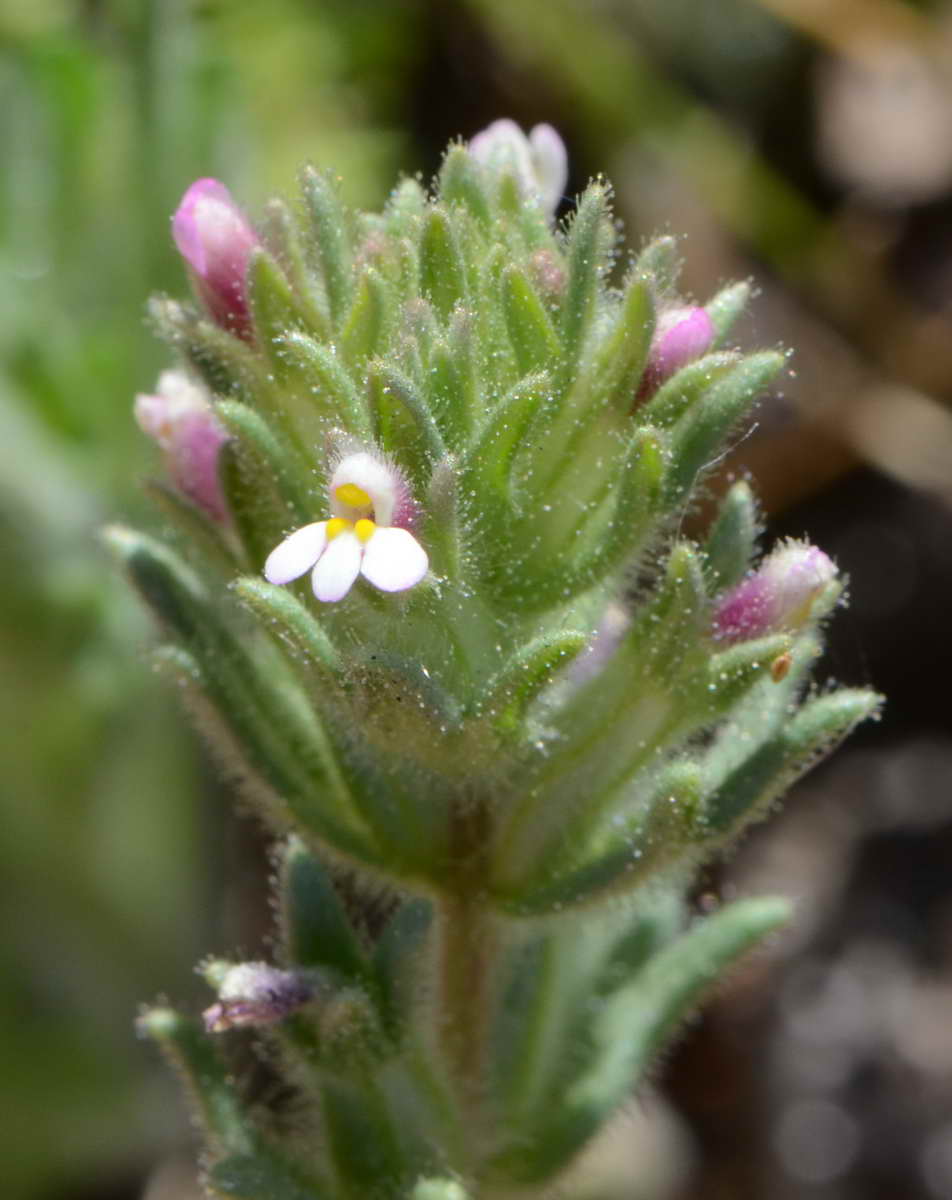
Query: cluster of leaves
(514, 740)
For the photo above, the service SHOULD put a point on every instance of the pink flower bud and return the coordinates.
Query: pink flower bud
(681, 335)
(180, 418)
(778, 596)
(216, 241)
(256, 994)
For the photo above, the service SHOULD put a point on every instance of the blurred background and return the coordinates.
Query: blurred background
(805, 144)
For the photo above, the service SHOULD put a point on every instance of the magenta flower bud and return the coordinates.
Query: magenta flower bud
(681, 335)
(216, 241)
(778, 596)
(256, 994)
(180, 418)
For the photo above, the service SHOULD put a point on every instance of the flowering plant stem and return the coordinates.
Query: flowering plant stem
(425, 595)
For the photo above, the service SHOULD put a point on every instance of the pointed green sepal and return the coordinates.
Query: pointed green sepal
(404, 422)
(732, 540)
(533, 337)
(725, 308)
(367, 323)
(453, 383)
(698, 438)
(208, 540)
(660, 262)
(679, 394)
(620, 360)
(748, 791)
(525, 675)
(487, 466)
(328, 225)
(297, 627)
(282, 235)
(224, 363)
(325, 389)
(461, 182)
(629, 1026)
(315, 928)
(261, 1176)
(442, 274)
(274, 306)
(205, 1075)
(586, 261)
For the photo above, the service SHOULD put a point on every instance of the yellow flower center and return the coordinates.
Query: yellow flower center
(353, 496)
(364, 529)
(336, 526)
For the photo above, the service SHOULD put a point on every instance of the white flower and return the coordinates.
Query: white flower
(539, 161)
(365, 535)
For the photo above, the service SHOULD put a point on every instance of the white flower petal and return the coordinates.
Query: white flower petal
(551, 164)
(337, 568)
(393, 560)
(296, 554)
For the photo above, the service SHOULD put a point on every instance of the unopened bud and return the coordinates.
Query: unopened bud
(216, 241)
(256, 994)
(180, 418)
(681, 335)
(778, 596)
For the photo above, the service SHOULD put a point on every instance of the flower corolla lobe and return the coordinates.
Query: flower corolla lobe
(367, 534)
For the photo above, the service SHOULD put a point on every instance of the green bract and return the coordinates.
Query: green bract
(544, 722)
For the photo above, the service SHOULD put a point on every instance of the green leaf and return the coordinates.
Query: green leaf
(487, 465)
(405, 424)
(586, 261)
(747, 792)
(362, 1140)
(275, 308)
(326, 392)
(322, 198)
(397, 963)
(530, 669)
(628, 1027)
(442, 275)
(461, 182)
(660, 262)
(725, 308)
(295, 624)
(732, 540)
(224, 363)
(270, 718)
(453, 383)
(364, 332)
(203, 535)
(701, 433)
(620, 359)
(282, 234)
(261, 1177)
(316, 929)
(618, 859)
(679, 394)
(205, 1075)
(531, 333)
